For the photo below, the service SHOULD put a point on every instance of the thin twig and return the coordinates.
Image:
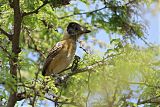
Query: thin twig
(61, 102)
(143, 83)
(34, 43)
(5, 50)
(35, 91)
(35, 47)
(155, 100)
(85, 69)
(89, 89)
(5, 33)
(107, 5)
(90, 12)
(84, 49)
(90, 67)
(11, 3)
(131, 2)
(81, 46)
(148, 44)
(36, 11)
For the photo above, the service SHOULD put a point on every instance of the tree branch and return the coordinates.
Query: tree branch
(85, 69)
(143, 83)
(5, 33)
(155, 100)
(34, 44)
(15, 50)
(89, 89)
(90, 12)
(48, 25)
(23, 95)
(11, 3)
(107, 5)
(148, 44)
(131, 2)
(36, 10)
(61, 102)
(5, 50)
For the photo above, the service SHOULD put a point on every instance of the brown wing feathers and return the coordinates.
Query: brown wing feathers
(54, 51)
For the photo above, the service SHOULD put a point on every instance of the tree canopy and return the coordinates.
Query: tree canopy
(120, 74)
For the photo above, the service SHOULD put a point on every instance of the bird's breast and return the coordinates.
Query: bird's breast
(64, 58)
(70, 51)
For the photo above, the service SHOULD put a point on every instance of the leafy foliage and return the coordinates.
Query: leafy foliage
(123, 74)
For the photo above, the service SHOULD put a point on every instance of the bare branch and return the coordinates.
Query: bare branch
(90, 12)
(148, 44)
(87, 68)
(5, 33)
(107, 5)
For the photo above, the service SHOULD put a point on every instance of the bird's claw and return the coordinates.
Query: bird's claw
(75, 63)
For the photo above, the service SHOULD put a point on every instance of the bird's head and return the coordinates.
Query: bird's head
(75, 30)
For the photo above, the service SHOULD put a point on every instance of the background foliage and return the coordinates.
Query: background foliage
(122, 75)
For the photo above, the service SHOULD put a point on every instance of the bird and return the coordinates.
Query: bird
(63, 52)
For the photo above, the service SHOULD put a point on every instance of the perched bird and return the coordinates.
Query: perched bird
(62, 54)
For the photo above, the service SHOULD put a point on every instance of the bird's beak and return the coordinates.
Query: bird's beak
(85, 30)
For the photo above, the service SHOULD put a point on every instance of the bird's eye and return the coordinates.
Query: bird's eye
(76, 28)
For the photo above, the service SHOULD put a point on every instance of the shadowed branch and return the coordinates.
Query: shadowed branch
(155, 100)
(36, 10)
(90, 12)
(5, 33)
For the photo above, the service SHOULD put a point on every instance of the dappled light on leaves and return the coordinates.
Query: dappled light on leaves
(111, 69)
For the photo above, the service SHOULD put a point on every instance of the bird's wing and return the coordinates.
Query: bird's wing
(53, 52)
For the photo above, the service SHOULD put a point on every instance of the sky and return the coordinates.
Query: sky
(151, 20)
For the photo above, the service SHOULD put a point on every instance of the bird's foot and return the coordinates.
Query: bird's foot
(75, 63)
(60, 79)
